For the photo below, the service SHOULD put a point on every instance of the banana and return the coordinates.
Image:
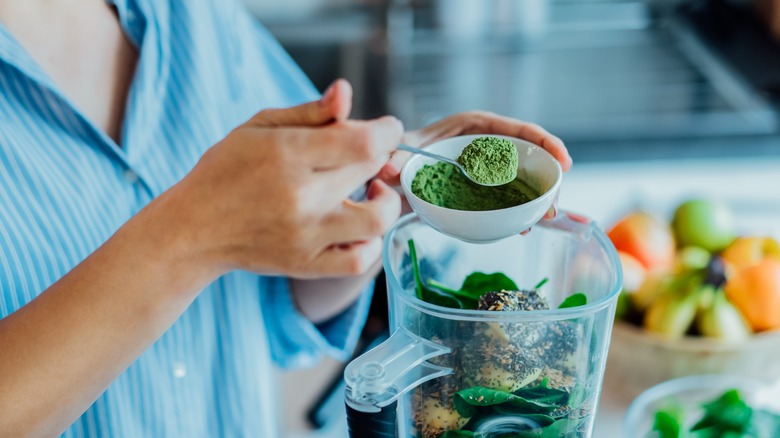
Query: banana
(655, 285)
(706, 298)
(672, 314)
(722, 320)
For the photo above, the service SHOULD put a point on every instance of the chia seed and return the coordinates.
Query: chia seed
(506, 301)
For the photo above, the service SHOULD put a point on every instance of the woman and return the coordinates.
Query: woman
(142, 194)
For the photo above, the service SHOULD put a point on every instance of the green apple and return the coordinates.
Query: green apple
(704, 223)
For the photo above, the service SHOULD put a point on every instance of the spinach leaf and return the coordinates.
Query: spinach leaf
(465, 298)
(467, 401)
(536, 404)
(728, 416)
(429, 295)
(575, 300)
(669, 422)
(538, 420)
(477, 283)
(543, 393)
(446, 300)
(419, 286)
(728, 413)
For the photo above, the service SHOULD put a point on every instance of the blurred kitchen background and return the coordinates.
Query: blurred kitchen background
(615, 79)
(657, 100)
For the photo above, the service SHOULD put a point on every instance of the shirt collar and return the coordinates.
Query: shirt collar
(12, 52)
(131, 18)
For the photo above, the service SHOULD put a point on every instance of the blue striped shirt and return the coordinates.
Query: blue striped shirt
(65, 187)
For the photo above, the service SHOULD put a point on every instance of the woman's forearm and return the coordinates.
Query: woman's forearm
(59, 352)
(278, 209)
(322, 299)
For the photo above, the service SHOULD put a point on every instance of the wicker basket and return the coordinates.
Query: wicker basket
(638, 360)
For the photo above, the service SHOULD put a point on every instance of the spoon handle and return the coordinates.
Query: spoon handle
(407, 148)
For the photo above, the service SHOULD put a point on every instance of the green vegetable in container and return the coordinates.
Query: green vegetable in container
(727, 416)
(516, 371)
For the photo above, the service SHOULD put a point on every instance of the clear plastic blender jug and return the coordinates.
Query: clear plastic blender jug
(449, 372)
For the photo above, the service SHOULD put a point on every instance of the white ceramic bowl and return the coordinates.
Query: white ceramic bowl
(690, 393)
(536, 167)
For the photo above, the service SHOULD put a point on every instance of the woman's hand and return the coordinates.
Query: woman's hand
(475, 122)
(272, 197)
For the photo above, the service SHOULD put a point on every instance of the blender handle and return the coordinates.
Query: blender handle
(372, 424)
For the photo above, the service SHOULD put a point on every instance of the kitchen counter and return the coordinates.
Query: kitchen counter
(604, 191)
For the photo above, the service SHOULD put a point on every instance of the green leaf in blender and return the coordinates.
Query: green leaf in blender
(541, 283)
(575, 300)
(426, 294)
(467, 401)
(543, 393)
(464, 297)
(478, 283)
(419, 287)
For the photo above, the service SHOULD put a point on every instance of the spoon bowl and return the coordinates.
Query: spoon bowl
(536, 167)
(454, 162)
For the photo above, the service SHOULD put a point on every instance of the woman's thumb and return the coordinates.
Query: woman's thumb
(335, 104)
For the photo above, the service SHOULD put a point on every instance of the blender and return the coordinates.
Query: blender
(498, 372)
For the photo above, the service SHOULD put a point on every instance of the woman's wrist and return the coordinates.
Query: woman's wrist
(170, 238)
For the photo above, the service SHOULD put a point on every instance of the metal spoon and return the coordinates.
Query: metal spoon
(461, 169)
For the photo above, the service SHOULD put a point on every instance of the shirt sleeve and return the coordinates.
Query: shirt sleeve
(295, 341)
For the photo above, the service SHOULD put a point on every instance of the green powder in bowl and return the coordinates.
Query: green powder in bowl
(490, 160)
(441, 184)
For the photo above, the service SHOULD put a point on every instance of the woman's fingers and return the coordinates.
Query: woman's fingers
(390, 173)
(495, 124)
(334, 105)
(342, 143)
(347, 260)
(358, 221)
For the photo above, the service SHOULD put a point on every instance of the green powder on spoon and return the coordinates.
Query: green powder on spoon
(490, 161)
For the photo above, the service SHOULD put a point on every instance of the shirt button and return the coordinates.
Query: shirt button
(130, 177)
(179, 370)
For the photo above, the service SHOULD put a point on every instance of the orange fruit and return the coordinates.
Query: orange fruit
(646, 238)
(755, 291)
(747, 251)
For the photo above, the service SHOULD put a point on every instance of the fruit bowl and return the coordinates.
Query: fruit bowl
(699, 297)
(638, 359)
